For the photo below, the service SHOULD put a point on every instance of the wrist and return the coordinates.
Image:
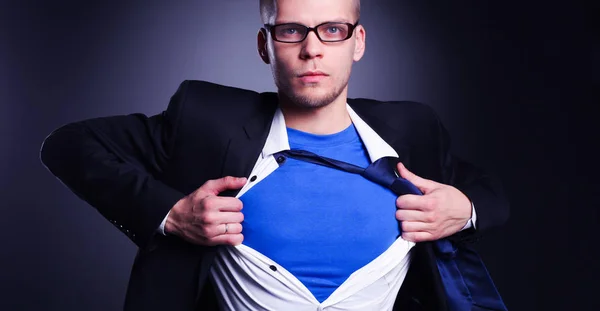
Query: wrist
(171, 219)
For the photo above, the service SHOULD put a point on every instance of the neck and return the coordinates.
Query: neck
(329, 119)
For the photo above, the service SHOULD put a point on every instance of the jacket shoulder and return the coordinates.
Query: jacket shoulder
(213, 94)
(405, 110)
(208, 99)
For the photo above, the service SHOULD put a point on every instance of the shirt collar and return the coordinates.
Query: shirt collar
(376, 147)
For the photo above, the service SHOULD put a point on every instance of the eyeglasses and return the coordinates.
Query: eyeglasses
(326, 32)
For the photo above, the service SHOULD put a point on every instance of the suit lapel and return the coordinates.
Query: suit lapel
(391, 136)
(246, 142)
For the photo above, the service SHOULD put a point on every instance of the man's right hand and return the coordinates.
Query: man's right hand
(204, 218)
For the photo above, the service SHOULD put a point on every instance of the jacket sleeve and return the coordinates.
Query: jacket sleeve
(114, 164)
(483, 189)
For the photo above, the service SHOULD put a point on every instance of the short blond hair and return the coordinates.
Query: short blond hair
(268, 9)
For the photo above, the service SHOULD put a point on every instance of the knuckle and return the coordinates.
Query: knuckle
(198, 202)
(433, 202)
(208, 218)
(209, 203)
(206, 203)
(430, 217)
(429, 204)
(204, 231)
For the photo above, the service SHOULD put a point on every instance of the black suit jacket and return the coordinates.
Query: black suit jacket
(134, 168)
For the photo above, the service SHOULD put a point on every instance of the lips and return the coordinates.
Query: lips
(313, 73)
(312, 76)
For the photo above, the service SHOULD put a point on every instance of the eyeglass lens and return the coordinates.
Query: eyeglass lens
(296, 32)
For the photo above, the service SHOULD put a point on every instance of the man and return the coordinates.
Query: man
(223, 219)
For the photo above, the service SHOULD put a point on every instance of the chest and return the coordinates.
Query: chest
(316, 209)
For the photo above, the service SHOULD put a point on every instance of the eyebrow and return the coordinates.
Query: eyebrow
(339, 20)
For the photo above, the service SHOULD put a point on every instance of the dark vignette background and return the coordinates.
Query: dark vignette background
(512, 80)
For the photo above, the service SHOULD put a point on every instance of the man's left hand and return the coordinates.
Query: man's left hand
(441, 211)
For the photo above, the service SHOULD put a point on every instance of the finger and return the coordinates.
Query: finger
(222, 204)
(217, 186)
(226, 239)
(415, 227)
(230, 217)
(229, 204)
(411, 201)
(410, 215)
(212, 224)
(232, 228)
(417, 236)
(425, 185)
(208, 219)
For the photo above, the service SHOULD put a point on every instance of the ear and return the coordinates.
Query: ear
(360, 43)
(263, 51)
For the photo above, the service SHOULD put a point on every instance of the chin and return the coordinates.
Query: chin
(312, 97)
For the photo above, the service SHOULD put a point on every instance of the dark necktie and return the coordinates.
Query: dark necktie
(380, 171)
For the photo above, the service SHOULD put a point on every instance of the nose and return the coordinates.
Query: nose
(312, 47)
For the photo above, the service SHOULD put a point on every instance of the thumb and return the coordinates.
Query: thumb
(217, 186)
(425, 185)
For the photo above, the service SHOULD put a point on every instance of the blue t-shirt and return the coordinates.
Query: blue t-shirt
(319, 223)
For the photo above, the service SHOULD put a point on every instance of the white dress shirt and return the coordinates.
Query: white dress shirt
(248, 280)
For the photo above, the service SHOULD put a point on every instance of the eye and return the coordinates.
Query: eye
(288, 30)
(332, 29)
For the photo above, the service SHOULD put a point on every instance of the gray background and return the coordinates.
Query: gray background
(509, 79)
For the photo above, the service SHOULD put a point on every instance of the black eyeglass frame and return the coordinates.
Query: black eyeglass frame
(351, 28)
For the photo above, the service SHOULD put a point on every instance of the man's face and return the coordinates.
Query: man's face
(312, 73)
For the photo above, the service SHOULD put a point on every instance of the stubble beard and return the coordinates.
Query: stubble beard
(304, 100)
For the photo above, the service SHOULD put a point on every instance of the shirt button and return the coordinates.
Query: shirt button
(273, 268)
(280, 159)
(253, 178)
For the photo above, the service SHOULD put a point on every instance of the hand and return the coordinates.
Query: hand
(441, 211)
(205, 218)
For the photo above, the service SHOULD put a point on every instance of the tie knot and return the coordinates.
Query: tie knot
(382, 171)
